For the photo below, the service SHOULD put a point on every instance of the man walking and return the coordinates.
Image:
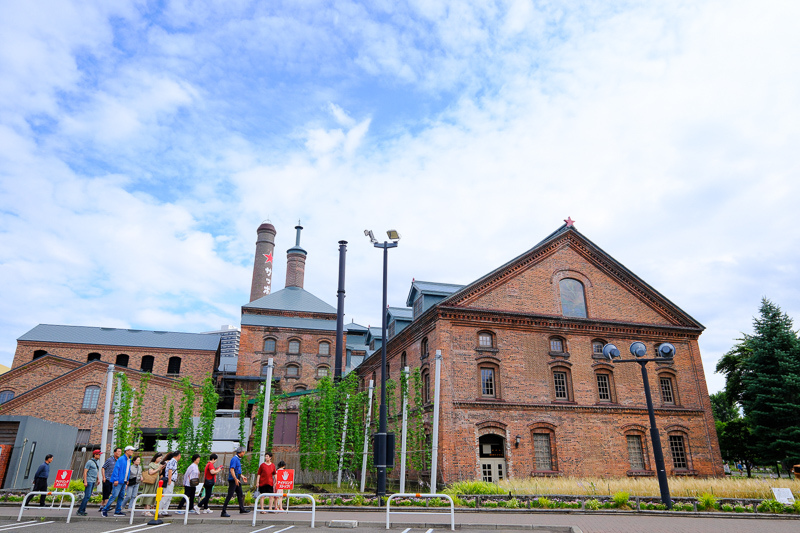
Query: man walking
(40, 478)
(119, 481)
(108, 469)
(235, 478)
(91, 478)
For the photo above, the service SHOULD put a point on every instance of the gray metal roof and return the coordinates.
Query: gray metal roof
(292, 299)
(289, 322)
(353, 327)
(430, 287)
(401, 313)
(122, 337)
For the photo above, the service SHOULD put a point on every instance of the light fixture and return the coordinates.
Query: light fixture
(393, 235)
(610, 352)
(368, 233)
(666, 350)
(638, 349)
(519, 438)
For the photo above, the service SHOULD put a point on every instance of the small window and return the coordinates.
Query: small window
(174, 365)
(269, 345)
(597, 348)
(94, 356)
(667, 391)
(485, 340)
(83, 437)
(264, 369)
(417, 307)
(90, 397)
(147, 363)
(300, 388)
(573, 299)
(560, 383)
(542, 451)
(6, 395)
(388, 370)
(487, 382)
(292, 370)
(557, 345)
(324, 348)
(39, 353)
(294, 347)
(635, 452)
(678, 450)
(423, 348)
(122, 360)
(605, 387)
(402, 361)
(426, 386)
(323, 371)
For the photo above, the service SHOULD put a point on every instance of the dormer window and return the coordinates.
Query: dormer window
(418, 307)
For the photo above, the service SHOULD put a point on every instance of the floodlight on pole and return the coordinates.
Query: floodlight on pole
(393, 235)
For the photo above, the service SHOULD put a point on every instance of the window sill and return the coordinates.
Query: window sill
(494, 399)
(486, 349)
(606, 403)
(323, 355)
(87, 411)
(173, 375)
(640, 473)
(546, 473)
(685, 472)
(564, 402)
(565, 355)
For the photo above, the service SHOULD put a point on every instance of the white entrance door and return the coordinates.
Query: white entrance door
(493, 470)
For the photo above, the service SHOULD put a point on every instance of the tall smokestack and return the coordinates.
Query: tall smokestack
(262, 265)
(296, 262)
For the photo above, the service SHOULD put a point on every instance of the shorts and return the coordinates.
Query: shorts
(265, 489)
(107, 488)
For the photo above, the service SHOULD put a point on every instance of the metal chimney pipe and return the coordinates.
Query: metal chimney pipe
(337, 368)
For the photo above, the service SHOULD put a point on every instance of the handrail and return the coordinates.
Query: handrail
(405, 495)
(263, 495)
(48, 493)
(170, 496)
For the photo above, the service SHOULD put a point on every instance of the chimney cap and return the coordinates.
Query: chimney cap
(266, 226)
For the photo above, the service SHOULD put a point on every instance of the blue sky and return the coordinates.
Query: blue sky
(141, 144)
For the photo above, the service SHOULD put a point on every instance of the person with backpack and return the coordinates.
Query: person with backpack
(91, 479)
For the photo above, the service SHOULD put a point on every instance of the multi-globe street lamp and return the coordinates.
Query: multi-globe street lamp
(664, 352)
(383, 444)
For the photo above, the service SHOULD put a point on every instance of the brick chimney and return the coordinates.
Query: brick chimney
(262, 265)
(296, 262)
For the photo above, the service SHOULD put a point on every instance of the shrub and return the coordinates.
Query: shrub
(796, 506)
(513, 503)
(473, 487)
(707, 502)
(741, 509)
(489, 503)
(726, 507)
(771, 506)
(592, 504)
(544, 503)
(620, 500)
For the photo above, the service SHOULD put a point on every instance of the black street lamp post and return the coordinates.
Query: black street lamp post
(665, 351)
(383, 445)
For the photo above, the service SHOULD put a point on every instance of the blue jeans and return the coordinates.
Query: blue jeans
(118, 494)
(86, 495)
(130, 494)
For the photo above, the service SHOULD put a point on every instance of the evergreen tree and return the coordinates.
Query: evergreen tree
(770, 381)
(723, 409)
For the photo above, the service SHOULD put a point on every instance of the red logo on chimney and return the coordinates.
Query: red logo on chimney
(269, 257)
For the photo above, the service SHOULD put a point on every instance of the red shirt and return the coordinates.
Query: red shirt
(266, 474)
(208, 475)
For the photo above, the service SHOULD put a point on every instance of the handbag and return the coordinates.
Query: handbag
(194, 481)
(149, 478)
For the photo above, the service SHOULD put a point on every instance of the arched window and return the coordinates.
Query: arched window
(324, 348)
(90, 397)
(323, 371)
(264, 369)
(6, 396)
(543, 437)
(679, 450)
(605, 386)
(597, 348)
(292, 371)
(637, 451)
(485, 339)
(423, 348)
(300, 388)
(426, 386)
(174, 365)
(669, 391)
(294, 346)
(94, 356)
(269, 345)
(489, 377)
(562, 384)
(122, 360)
(39, 353)
(573, 298)
(558, 345)
(402, 361)
(147, 363)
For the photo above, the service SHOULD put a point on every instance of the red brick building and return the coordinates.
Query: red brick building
(59, 373)
(525, 390)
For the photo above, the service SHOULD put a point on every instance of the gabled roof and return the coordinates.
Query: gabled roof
(289, 322)
(121, 337)
(291, 299)
(430, 287)
(612, 266)
(401, 313)
(353, 328)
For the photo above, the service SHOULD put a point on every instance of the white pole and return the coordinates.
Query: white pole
(265, 420)
(366, 439)
(106, 413)
(404, 433)
(117, 398)
(435, 450)
(344, 434)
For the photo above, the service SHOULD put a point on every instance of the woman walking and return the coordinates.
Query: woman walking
(191, 479)
(134, 481)
(150, 477)
(209, 476)
(265, 479)
(170, 478)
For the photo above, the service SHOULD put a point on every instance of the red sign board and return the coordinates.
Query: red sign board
(284, 480)
(62, 479)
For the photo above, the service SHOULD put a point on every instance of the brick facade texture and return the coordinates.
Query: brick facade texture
(521, 308)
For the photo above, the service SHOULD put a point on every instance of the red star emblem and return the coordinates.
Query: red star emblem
(269, 257)
(569, 222)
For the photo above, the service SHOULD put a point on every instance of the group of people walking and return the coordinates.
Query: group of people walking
(122, 477)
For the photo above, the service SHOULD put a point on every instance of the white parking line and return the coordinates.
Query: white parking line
(149, 527)
(26, 524)
(284, 529)
(262, 529)
(124, 528)
(429, 531)
(406, 530)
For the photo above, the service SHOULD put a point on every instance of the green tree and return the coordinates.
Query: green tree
(186, 439)
(208, 409)
(770, 381)
(723, 409)
(735, 442)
